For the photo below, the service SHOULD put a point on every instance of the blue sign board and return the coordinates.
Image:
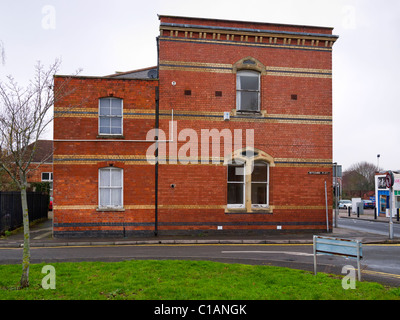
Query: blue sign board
(337, 246)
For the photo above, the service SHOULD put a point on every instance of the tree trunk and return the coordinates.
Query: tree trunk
(26, 256)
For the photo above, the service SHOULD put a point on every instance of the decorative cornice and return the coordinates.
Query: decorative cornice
(246, 35)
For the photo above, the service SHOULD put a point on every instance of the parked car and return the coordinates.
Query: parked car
(344, 204)
(368, 204)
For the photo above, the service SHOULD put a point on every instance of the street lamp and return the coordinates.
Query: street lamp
(378, 156)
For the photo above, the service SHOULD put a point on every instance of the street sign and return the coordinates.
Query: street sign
(318, 173)
(337, 171)
(336, 246)
(391, 205)
(389, 179)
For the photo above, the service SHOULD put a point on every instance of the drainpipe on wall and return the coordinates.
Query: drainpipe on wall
(156, 153)
(156, 168)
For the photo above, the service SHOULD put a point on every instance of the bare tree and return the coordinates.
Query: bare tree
(366, 170)
(359, 178)
(24, 115)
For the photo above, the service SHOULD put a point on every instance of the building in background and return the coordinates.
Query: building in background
(42, 164)
(41, 167)
(382, 194)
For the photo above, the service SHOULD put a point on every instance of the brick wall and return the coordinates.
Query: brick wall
(36, 174)
(197, 57)
(77, 163)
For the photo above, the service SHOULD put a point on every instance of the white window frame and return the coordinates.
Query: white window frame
(50, 180)
(266, 205)
(248, 183)
(119, 206)
(111, 117)
(239, 90)
(243, 182)
(50, 177)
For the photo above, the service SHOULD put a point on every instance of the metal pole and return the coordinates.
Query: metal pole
(336, 198)
(157, 138)
(391, 214)
(358, 260)
(326, 205)
(315, 255)
(398, 213)
(156, 167)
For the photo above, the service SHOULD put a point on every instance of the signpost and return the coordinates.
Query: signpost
(340, 247)
(337, 173)
(389, 184)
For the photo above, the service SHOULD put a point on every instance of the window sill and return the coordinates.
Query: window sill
(249, 114)
(110, 209)
(110, 136)
(268, 210)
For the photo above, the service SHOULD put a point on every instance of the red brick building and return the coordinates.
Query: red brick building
(263, 91)
(41, 167)
(42, 163)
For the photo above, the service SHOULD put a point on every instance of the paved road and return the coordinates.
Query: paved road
(375, 227)
(381, 262)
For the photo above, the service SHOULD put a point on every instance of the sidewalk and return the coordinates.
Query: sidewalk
(41, 236)
(368, 215)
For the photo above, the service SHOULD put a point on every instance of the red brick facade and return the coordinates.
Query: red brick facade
(200, 62)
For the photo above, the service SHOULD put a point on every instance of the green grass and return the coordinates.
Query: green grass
(183, 280)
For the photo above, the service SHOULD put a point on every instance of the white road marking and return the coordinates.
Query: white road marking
(274, 252)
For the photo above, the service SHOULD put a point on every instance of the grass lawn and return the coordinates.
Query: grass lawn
(183, 280)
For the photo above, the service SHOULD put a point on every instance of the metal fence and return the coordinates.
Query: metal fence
(11, 209)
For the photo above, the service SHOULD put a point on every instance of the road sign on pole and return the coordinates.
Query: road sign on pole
(389, 184)
(389, 180)
(336, 246)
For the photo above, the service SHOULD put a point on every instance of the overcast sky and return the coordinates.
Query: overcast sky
(102, 37)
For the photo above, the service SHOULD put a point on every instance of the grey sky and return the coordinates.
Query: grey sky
(102, 37)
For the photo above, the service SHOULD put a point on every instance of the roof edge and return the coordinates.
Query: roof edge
(116, 74)
(103, 77)
(309, 34)
(244, 21)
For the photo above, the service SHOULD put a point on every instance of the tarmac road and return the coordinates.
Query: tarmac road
(370, 226)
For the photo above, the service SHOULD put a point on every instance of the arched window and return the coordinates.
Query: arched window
(248, 180)
(110, 116)
(110, 187)
(248, 91)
